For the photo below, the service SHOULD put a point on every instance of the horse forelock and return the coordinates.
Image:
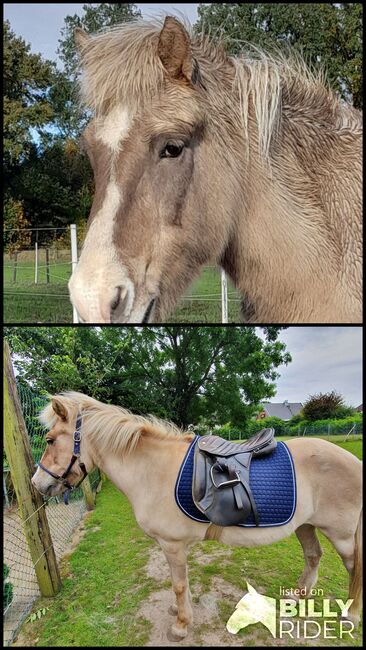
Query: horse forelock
(122, 67)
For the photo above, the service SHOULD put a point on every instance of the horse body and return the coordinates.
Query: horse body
(198, 158)
(143, 457)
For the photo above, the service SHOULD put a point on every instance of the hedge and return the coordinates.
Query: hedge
(282, 428)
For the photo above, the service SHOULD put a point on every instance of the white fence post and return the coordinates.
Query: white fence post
(74, 261)
(36, 263)
(224, 318)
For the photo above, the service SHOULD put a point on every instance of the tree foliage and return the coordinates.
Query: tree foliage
(26, 79)
(180, 373)
(44, 169)
(329, 34)
(323, 405)
(16, 235)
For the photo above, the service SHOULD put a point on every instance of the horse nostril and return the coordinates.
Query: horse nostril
(119, 302)
(116, 300)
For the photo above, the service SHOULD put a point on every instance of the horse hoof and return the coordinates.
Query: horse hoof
(173, 609)
(354, 618)
(178, 632)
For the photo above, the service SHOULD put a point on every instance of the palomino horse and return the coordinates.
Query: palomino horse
(198, 157)
(142, 457)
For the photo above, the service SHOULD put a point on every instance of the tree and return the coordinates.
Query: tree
(180, 373)
(26, 80)
(16, 236)
(325, 405)
(46, 173)
(329, 34)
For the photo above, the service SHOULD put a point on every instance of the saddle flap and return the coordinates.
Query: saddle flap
(220, 483)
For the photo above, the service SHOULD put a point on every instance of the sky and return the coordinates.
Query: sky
(323, 359)
(40, 24)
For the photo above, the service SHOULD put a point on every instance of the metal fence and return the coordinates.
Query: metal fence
(35, 283)
(20, 582)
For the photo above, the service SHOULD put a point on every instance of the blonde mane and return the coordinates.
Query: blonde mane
(110, 428)
(121, 65)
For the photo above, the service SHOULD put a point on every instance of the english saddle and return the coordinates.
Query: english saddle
(220, 483)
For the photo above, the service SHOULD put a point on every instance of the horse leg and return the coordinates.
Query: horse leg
(176, 555)
(350, 550)
(312, 553)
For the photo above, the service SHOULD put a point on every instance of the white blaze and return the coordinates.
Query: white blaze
(99, 272)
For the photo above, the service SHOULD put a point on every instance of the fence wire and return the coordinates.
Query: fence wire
(20, 583)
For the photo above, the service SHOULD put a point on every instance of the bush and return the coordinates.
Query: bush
(332, 425)
(323, 406)
(344, 412)
(280, 426)
(252, 427)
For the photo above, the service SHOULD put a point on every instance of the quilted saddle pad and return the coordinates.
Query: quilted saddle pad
(272, 480)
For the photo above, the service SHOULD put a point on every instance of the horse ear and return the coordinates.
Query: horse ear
(81, 38)
(59, 408)
(174, 49)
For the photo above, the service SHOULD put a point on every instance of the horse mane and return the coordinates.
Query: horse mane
(111, 428)
(121, 65)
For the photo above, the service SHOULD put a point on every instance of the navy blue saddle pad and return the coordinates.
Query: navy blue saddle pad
(272, 480)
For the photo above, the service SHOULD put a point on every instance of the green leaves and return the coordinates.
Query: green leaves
(37, 615)
(181, 373)
(327, 34)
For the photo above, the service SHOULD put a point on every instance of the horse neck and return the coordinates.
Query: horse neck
(282, 243)
(155, 461)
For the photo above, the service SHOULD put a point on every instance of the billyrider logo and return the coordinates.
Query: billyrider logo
(255, 608)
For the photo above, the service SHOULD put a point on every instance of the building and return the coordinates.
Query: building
(283, 410)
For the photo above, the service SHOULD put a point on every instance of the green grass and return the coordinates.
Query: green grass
(104, 582)
(41, 303)
(26, 302)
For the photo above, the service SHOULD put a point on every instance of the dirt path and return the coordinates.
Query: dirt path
(208, 629)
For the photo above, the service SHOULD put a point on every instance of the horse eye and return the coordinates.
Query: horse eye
(50, 441)
(172, 150)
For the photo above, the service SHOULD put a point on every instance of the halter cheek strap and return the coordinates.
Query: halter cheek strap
(75, 456)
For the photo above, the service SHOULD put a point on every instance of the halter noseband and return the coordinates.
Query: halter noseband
(75, 456)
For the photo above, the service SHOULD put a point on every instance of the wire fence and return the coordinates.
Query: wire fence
(332, 429)
(36, 277)
(20, 582)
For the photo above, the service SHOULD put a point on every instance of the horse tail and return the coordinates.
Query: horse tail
(213, 533)
(355, 590)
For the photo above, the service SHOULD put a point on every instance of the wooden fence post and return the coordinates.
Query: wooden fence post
(30, 502)
(88, 494)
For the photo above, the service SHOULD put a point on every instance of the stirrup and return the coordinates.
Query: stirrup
(231, 482)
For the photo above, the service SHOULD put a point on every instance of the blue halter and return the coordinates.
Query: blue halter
(75, 456)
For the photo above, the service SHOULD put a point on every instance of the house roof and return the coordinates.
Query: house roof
(283, 410)
(360, 408)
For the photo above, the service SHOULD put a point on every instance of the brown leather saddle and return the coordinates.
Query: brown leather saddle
(220, 482)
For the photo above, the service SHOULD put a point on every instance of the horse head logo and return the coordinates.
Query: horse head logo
(253, 608)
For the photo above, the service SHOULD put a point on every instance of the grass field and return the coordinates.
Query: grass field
(105, 582)
(27, 302)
